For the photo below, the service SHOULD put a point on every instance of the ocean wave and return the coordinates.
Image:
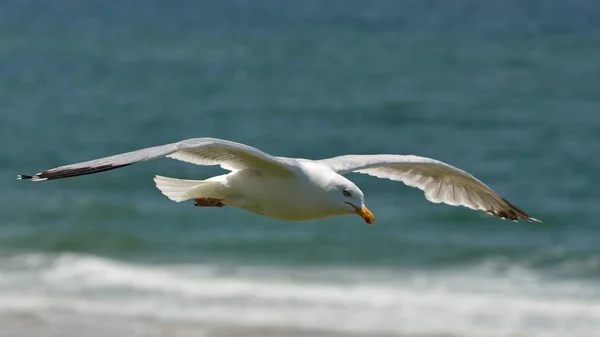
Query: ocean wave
(470, 301)
(308, 246)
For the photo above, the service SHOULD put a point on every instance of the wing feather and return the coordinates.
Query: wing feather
(201, 151)
(440, 182)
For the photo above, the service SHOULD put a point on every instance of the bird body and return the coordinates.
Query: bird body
(296, 189)
(285, 197)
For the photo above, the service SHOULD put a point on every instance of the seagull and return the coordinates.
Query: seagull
(296, 189)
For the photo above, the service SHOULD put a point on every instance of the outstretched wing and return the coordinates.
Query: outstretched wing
(442, 183)
(201, 151)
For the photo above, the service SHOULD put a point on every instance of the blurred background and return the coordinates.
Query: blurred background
(507, 90)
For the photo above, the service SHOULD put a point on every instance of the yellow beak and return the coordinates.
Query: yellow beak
(365, 214)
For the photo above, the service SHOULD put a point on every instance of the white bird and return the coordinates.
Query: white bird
(296, 189)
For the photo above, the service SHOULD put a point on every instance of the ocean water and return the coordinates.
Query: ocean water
(509, 91)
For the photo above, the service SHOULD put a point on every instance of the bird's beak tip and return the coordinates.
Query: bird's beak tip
(366, 214)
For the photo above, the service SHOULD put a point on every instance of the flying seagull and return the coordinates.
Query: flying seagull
(296, 189)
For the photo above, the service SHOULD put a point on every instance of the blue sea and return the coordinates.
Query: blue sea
(506, 90)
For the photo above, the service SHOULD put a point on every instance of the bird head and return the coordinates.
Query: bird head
(350, 198)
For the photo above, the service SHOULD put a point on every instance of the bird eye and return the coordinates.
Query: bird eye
(346, 193)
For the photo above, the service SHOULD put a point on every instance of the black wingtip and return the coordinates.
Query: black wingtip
(30, 178)
(515, 213)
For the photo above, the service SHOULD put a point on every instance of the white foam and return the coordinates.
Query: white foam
(466, 302)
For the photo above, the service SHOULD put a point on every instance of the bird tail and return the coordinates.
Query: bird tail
(180, 190)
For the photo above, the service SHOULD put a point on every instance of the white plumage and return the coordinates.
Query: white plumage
(297, 189)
